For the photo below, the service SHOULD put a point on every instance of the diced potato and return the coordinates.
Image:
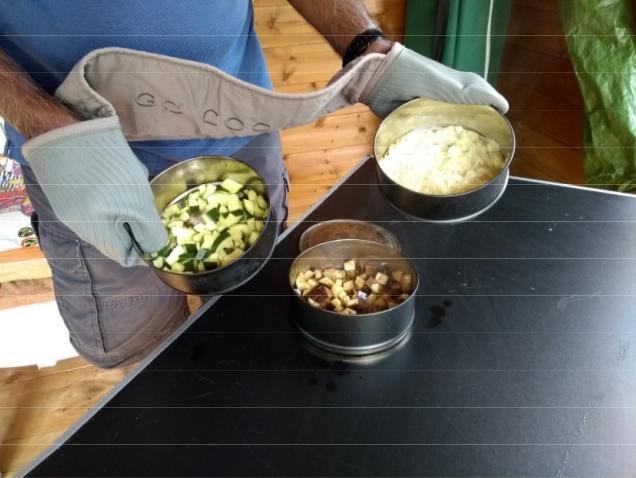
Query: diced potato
(351, 311)
(359, 282)
(369, 270)
(336, 303)
(301, 283)
(352, 303)
(397, 275)
(312, 283)
(380, 303)
(339, 282)
(377, 288)
(330, 274)
(343, 296)
(349, 286)
(336, 289)
(350, 269)
(341, 275)
(370, 281)
(309, 275)
(317, 274)
(406, 282)
(371, 300)
(326, 281)
(381, 278)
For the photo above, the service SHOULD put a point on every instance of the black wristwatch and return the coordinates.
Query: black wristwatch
(360, 44)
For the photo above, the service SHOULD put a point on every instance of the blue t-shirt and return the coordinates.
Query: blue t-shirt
(47, 38)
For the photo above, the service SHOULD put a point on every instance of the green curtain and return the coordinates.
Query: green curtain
(466, 26)
(600, 39)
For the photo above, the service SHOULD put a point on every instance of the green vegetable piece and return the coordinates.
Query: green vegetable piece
(190, 247)
(177, 267)
(261, 202)
(214, 214)
(232, 186)
(165, 252)
(222, 237)
(158, 262)
(202, 254)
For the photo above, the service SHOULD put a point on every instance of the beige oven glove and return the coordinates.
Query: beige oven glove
(164, 98)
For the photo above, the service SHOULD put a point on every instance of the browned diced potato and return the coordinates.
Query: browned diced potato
(380, 303)
(330, 273)
(329, 293)
(397, 275)
(343, 312)
(396, 287)
(318, 274)
(312, 283)
(402, 298)
(381, 278)
(349, 286)
(351, 311)
(405, 282)
(370, 281)
(369, 270)
(336, 303)
(391, 304)
(377, 289)
(336, 289)
(341, 275)
(371, 300)
(309, 275)
(359, 282)
(327, 281)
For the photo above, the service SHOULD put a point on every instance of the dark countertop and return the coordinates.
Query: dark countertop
(521, 362)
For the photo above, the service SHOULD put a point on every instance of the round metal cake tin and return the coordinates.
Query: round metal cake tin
(424, 113)
(347, 229)
(186, 175)
(352, 334)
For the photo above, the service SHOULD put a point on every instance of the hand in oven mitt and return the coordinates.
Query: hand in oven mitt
(98, 188)
(411, 75)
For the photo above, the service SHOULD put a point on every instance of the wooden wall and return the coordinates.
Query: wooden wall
(299, 59)
(546, 107)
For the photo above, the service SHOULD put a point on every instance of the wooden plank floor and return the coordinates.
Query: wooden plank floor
(36, 406)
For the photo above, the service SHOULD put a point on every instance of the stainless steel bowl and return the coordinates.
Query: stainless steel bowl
(352, 334)
(347, 229)
(184, 176)
(424, 113)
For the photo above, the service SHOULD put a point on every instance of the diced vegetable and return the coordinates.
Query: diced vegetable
(231, 186)
(211, 226)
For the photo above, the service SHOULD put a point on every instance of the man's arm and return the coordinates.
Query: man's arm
(25, 106)
(340, 21)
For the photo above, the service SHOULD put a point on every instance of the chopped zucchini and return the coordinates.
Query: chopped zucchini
(190, 247)
(193, 204)
(251, 195)
(258, 225)
(253, 236)
(158, 262)
(249, 206)
(183, 232)
(219, 240)
(171, 211)
(177, 267)
(234, 203)
(261, 202)
(231, 186)
(232, 256)
(213, 214)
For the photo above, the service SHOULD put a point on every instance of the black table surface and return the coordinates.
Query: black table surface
(521, 361)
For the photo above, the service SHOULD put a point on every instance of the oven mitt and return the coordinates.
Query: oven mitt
(164, 98)
(97, 187)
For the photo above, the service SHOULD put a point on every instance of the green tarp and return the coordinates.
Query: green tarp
(600, 38)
